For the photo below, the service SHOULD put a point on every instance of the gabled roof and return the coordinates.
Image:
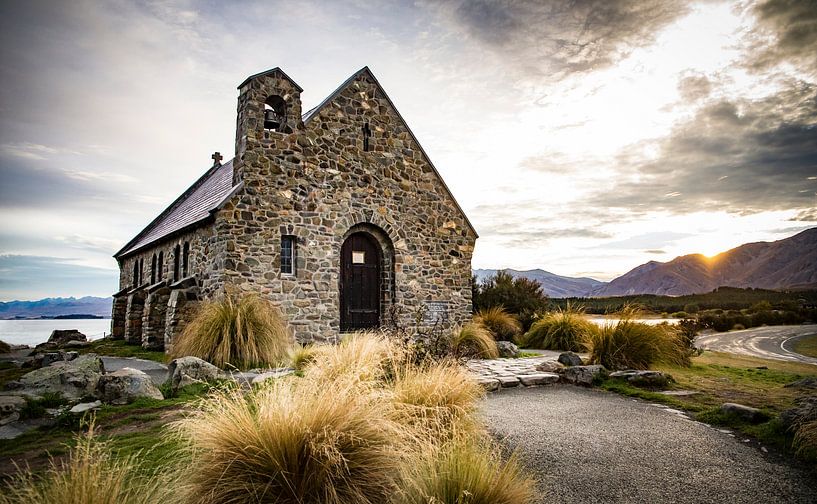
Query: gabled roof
(365, 70)
(193, 206)
(270, 72)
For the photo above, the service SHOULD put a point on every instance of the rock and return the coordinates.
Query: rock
(11, 404)
(10, 418)
(582, 375)
(804, 411)
(752, 415)
(489, 384)
(39, 360)
(62, 336)
(549, 367)
(83, 407)
(647, 379)
(73, 379)
(570, 359)
(125, 386)
(76, 344)
(538, 379)
(188, 370)
(507, 349)
(269, 375)
(809, 383)
(508, 381)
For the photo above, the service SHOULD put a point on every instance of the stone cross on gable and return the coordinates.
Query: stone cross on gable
(217, 157)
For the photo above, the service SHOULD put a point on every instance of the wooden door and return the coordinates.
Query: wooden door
(359, 283)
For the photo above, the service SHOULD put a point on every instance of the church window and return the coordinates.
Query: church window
(275, 114)
(366, 134)
(136, 272)
(177, 252)
(185, 258)
(161, 265)
(141, 269)
(153, 270)
(288, 254)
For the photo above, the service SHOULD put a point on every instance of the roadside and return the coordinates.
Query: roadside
(770, 342)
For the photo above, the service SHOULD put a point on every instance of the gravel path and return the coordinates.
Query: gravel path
(587, 446)
(772, 342)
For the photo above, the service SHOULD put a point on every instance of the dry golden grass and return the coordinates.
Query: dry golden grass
(566, 329)
(362, 357)
(90, 475)
(503, 326)
(301, 356)
(244, 331)
(474, 341)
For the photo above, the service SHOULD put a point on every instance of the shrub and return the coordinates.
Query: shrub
(560, 330)
(244, 331)
(362, 357)
(466, 470)
(293, 442)
(634, 345)
(301, 356)
(435, 397)
(473, 341)
(520, 296)
(502, 325)
(738, 327)
(90, 475)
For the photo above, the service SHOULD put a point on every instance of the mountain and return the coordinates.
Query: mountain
(553, 285)
(787, 263)
(52, 307)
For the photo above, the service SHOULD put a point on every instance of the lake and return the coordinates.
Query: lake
(649, 321)
(34, 332)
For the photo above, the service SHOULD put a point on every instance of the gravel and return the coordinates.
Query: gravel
(587, 446)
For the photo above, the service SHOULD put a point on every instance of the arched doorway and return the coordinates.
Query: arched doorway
(360, 276)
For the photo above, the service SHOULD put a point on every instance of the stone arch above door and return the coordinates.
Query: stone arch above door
(384, 248)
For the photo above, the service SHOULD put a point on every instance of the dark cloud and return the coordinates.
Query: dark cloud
(655, 251)
(23, 277)
(793, 25)
(556, 37)
(739, 156)
(694, 87)
(809, 215)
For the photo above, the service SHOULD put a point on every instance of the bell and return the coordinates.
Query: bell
(271, 119)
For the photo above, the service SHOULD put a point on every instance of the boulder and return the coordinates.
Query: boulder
(507, 349)
(125, 386)
(806, 383)
(39, 360)
(73, 379)
(582, 375)
(489, 384)
(747, 413)
(187, 370)
(804, 411)
(62, 336)
(530, 380)
(549, 367)
(646, 379)
(83, 407)
(11, 405)
(570, 359)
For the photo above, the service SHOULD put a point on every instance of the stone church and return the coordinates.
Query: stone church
(336, 215)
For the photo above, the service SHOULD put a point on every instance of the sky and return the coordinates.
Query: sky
(583, 137)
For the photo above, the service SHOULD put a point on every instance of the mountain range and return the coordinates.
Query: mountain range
(790, 263)
(54, 307)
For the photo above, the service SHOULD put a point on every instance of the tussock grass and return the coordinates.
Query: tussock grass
(362, 357)
(564, 329)
(435, 397)
(293, 443)
(240, 330)
(474, 341)
(90, 475)
(628, 344)
(503, 326)
(301, 356)
(805, 437)
(466, 470)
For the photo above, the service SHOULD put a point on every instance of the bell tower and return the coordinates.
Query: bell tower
(269, 110)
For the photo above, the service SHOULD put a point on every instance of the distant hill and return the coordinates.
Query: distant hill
(784, 264)
(553, 285)
(52, 307)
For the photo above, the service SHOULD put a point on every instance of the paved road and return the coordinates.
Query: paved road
(773, 342)
(156, 371)
(587, 446)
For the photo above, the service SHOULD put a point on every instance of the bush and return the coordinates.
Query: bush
(244, 331)
(362, 357)
(293, 443)
(566, 329)
(634, 345)
(502, 325)
(473, 341)
(301, 356)
(464, 471)
(90, 475)
(738, 327)
(519, 296)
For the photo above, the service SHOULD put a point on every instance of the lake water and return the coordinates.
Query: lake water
(34, 332)
(649, 321)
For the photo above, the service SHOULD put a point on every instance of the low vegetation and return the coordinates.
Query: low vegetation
(520, 296)
(472, 340)
(563, 329)
(806, 345)
(239, 330)
(503, 326)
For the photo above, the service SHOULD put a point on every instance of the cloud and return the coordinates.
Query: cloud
(694, 87)
(792, 27)
(557, 37)
(27, 277)
(655, 251)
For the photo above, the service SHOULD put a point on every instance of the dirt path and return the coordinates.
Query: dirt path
(587, 446)
(772, 342)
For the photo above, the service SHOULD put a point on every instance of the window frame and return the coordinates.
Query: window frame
(287, 262)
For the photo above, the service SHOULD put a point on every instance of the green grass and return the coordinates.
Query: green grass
(806, 346)
(566, 329)
(10, 372)
(118, 348)
(628, 344)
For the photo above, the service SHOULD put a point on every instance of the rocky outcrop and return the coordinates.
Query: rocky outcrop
(507, 349)
(645, 379)
(39, 360)
(125, 386)
(582, 375)
(747, 413)
(570, 359)
(73, 379)
(188, 370)
(61, 337)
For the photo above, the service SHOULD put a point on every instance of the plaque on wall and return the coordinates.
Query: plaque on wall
(436, 312)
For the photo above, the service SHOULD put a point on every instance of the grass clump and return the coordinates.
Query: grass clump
(473, 341)
(301, 356)
(286, 443)
(241, 330)
(362, 357)
(564, 329)
(503, 326)
(90, 475)
(466, 470)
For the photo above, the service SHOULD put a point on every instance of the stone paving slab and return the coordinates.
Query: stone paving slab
(496, 374)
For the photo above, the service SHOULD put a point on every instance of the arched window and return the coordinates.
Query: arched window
(186, 259)
(153, 269)
(161, 265)
(275, 114)
(177, 252)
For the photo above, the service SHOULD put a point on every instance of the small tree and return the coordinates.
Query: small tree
(520, 296)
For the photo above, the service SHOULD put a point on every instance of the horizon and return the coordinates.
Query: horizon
(583, 140)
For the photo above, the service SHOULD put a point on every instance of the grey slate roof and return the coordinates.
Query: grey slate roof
(192, 207)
